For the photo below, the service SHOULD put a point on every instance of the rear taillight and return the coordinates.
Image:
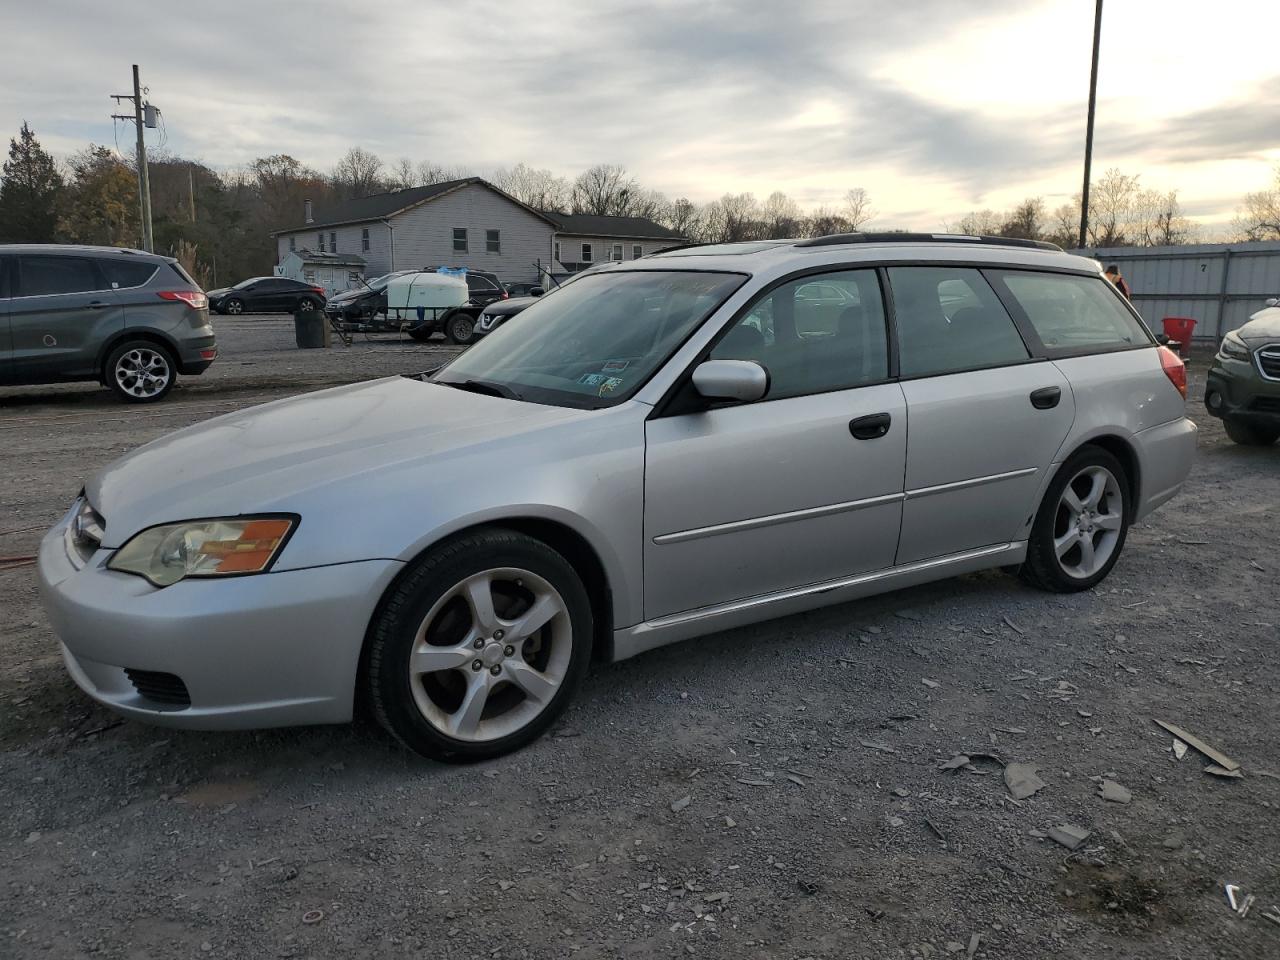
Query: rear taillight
(1174, 369)
(192, 298)
(505, 295)
(319, 290)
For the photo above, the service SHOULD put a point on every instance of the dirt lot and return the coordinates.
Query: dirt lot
(818, 823)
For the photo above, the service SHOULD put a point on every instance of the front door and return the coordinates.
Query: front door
(6, 345)
(802, 487)
(984, 419)
(60, 318)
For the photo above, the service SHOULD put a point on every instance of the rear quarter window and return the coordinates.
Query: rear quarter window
(127, 273)
(1072, 314)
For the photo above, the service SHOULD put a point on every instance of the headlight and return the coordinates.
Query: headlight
(233, 546)
(1233, 347)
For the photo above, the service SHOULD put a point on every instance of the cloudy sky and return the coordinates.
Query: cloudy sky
(934, 106)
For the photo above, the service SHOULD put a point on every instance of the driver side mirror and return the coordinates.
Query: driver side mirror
(536, 291)
(742, 380)
(1273, 302)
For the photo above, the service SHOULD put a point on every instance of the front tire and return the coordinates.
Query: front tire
(306, 305)
(1081, 526)
(140, 371)
(479, 647)
(234, 307)
(1249, 435)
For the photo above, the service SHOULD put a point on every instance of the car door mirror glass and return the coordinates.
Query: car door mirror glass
(536, 291)
(742, 380)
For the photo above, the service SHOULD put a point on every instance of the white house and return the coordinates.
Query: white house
(333, 271)
(465, 223)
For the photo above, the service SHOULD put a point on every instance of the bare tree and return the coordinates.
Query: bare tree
(857, 208)
(604, 190)
(540, 189)
(978, 223)
(824, 221)
(402, 175)
(1025, 221)
(1260, 217)
(683, 217)
(1111, 202)
(1157, 221)
(358, 174)
(1064, 225)
(780, 216)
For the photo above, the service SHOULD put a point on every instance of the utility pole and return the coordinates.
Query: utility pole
(144, 183)
(1088, 136)
(191, 191)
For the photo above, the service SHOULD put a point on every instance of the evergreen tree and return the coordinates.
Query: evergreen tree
(30, 192)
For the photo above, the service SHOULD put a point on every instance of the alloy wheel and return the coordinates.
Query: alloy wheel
(1089, 521)
(143, 373)
(234, 307)
(490, 654)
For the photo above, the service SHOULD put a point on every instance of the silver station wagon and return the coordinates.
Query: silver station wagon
(701, 439)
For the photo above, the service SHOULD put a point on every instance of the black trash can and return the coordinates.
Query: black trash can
(308, 328)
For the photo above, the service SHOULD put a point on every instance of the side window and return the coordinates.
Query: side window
(637, 252)
(949, 319)
(333, 243)
(364, 240)
(617, 251)
(459, 239)
(814, 335)
(586, 253)
(1070, 313)
(493, 241)
(40, 276)
(123, 273)
(320, 240)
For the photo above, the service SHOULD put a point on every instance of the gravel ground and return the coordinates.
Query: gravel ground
(768, 792)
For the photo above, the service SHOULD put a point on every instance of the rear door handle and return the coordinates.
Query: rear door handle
(1046, 398)
(97, 304)
(870, 427)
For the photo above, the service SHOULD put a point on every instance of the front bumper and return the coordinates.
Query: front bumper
(1235, 389)
(277, 649)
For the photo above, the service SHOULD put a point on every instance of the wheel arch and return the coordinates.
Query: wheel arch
(136, 333)
(562, 538)
(1124, 451)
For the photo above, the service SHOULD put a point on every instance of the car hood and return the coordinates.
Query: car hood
(1262, 326)
(503, 308)
(349, 295)
(220, 292)
(287, 455)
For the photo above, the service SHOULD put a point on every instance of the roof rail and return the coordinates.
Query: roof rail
(836, 239)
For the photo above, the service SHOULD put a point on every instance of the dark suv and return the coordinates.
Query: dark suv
(130, 320)
(267, 295)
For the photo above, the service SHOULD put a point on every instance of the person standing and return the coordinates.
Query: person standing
(1113, 274)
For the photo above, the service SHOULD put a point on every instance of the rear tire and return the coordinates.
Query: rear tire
(480, 647)
(1250, 435)
(422, 334)
(460, 328)
(307, 304)
(1080, 529)
(140, 371)
(233, 307)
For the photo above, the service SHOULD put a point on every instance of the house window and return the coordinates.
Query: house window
(459, 239)
(493, 241)
(637, 252)
(322, 243)
(309, 276)
(293, 244)
(586, 253)
(353, 277)
(555, 252)
(364, 240)
(333, 243)
(617, 251)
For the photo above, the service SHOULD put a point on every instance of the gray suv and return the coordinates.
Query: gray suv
(130, 320)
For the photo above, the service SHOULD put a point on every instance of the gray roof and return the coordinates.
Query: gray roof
(379, 206)
(631, 228)
(335, 259)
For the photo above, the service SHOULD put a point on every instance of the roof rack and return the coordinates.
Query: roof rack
(836, 239)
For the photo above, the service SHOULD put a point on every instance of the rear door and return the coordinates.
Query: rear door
(278, 295)
(985, 419)
(6, 345)
(63, 314)
(799, 488)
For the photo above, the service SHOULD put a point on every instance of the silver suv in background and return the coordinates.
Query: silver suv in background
(130, 320)
(665, 448)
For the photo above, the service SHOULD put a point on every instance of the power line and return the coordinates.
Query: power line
(144, 181)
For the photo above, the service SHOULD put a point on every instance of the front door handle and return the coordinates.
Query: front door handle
(97, 304)
(870, 427)
(1046, 398)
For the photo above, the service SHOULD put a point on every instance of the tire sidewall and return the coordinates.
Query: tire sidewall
(109, 370)
(234, 307)
(395, 626)
(470, 321)
(1048, 567)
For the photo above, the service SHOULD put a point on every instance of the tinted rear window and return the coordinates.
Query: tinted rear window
(1072, 313)
(41, 276)
(127, 273)
(182, 274)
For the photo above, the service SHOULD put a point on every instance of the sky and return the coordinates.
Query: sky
(936, 107)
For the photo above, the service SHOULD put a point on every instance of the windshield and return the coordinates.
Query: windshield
(244, 283)
(596, 341)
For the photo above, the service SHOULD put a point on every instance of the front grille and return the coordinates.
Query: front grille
(160, 687)
(1269, 361)
(1266, 404)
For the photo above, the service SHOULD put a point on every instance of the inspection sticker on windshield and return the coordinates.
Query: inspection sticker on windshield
(592, 379)
(615, 366)
(609, 386)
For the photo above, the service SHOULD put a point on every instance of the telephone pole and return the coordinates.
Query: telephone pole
(144, 183)
(1088, 135)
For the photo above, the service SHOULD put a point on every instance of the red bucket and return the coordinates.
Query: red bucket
(1180, 329)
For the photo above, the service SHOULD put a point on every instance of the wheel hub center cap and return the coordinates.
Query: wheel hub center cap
(491, 655)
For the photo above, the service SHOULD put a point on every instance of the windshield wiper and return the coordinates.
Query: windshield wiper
(487, 387)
